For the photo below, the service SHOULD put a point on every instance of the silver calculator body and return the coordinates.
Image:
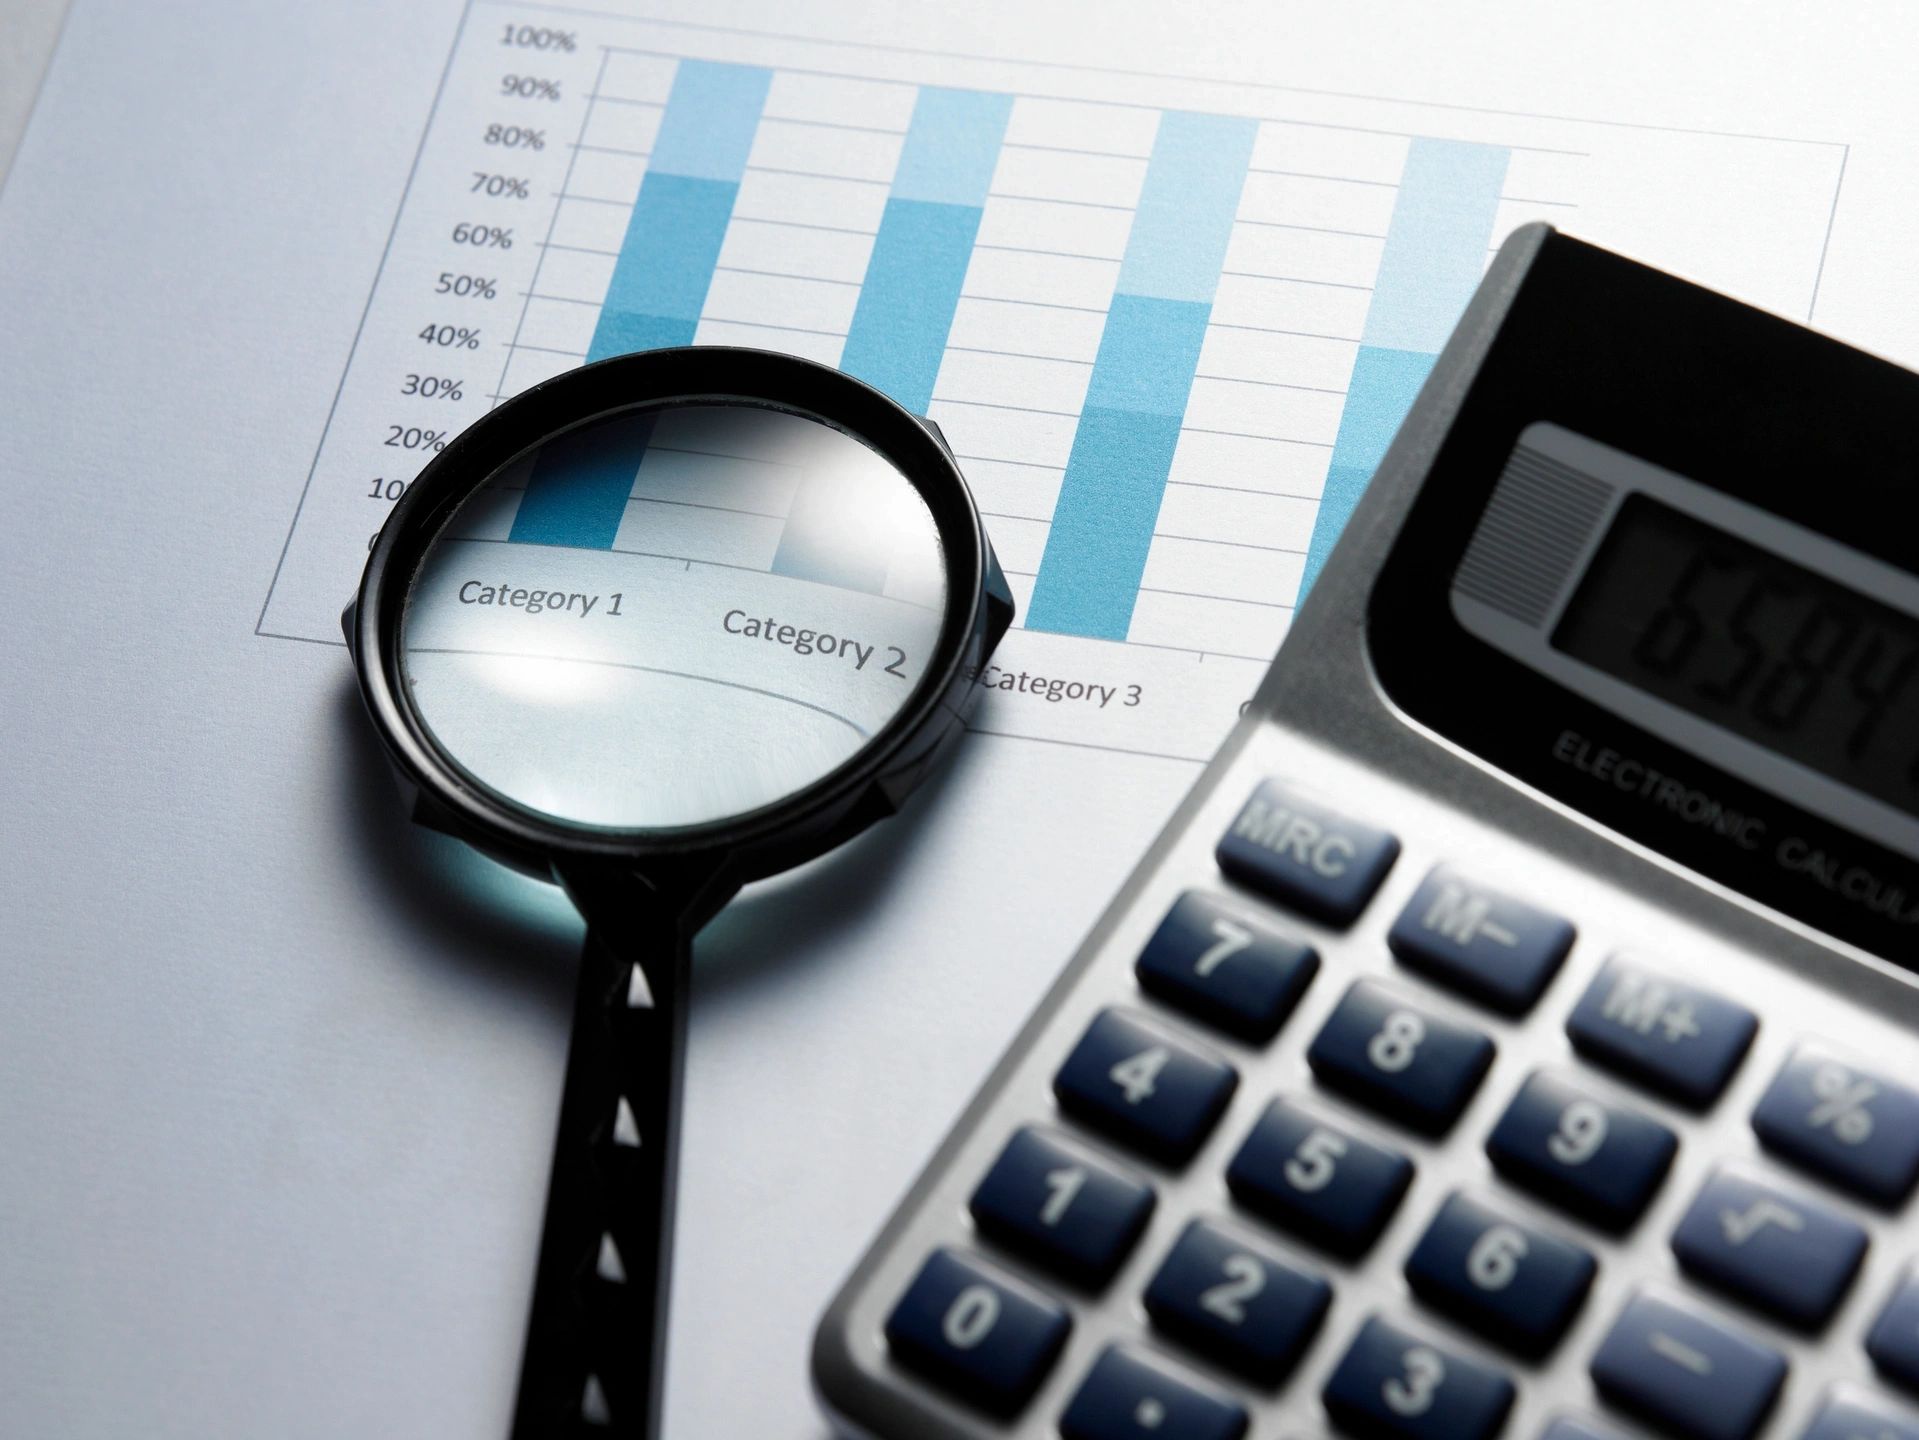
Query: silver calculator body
(1660, 1185)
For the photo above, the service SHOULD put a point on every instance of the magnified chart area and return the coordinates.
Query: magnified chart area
(674, 615)
(1170, 324)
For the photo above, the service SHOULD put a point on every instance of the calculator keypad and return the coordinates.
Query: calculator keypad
(1226, 967)
(1852, 1128)
(1400, 1058)
(1675, 1038)
(1789, 1255)
(1400, 1386)
(1686, 1372)
(1509, 1281)
(1236, 1303)
(1317, 1179)
(1076, 1215)
(1139, 1084)
(978, 1335)
(1491, 946)
(1132, 1395)
(1603, 1162)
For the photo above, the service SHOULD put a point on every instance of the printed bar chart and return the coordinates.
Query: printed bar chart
(1122, 453)
(1435, 251)
(685, 203)
(1167, 323)
(925, 242)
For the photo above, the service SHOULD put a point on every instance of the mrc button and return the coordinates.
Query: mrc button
(1320, 862)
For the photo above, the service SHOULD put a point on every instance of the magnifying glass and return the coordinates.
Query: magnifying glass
(654, 628)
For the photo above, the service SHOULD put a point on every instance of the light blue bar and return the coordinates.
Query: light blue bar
(679, 218)
(580, 484)
(1186, 207)
(1436, 244)
(1435, 252)
(1109, 499)
(925, 241)
(817, 545)
(952, 147)
(711, 115)
(906, 306)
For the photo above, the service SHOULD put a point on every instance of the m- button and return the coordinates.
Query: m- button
(1316, 860)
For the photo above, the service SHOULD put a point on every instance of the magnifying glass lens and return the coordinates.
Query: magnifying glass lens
(673, 615)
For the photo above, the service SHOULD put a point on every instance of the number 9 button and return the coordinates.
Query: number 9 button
(1603, 1162)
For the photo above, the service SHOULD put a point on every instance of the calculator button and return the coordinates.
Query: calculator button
(1690, 1375)
(1677, 1039)
(1130, 1395)
(1397, 1386)
(1860, 1417)
(1488, 945)
(1789, 1255)
(1236, 1304)
(1320, 1181)
(1601, 1161)
(1893, 1341)
(1225, 967)
(1403, 1061)
(1076, 1216)
(1574, 1429)
(1140, 1085)
(1316, 860)
(1512, 1283)
(1849, 1126)
(978, 1336)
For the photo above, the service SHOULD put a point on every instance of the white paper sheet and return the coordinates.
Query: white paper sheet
(278, 1071)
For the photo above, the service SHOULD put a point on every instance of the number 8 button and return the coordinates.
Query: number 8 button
(1411, 1064)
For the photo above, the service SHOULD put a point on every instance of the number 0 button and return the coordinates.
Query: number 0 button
(979, 1337)
(1395, 1386)
(1407, 1062)
(1143, 1087)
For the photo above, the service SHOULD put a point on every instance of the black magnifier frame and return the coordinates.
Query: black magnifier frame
(593, 1362)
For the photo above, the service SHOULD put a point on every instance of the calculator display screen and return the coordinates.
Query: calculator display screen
(1774, 652)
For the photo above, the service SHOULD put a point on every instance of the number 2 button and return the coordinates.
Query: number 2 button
(1143, 1087)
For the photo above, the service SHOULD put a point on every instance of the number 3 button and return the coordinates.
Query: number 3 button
(1394, 1385)
(1143, 1087)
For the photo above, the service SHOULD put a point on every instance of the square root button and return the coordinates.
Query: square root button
(1318, 861)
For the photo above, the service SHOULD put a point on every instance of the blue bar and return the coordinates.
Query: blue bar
(1434, 254)
(1129, 428)
(580, 484)
(679, 219)
(925, 241)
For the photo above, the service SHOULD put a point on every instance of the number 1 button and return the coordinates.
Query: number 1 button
(1143, 1087)
(1073, 1214)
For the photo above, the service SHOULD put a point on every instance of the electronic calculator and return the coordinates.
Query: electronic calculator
(1513, 1032)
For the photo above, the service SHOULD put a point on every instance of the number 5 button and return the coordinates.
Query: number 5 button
(1143, 1087)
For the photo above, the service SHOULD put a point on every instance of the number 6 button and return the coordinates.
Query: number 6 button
(1141, 1086)
(1395, 1386)
(1510, 1282)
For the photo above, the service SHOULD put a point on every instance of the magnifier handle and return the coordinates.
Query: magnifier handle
(595, 1354)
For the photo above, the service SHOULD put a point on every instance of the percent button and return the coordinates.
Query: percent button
(1849, 1126)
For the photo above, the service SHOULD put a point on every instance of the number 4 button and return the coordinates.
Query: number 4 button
(1143, 1087)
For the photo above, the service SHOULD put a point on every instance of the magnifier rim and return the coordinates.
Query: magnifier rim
(694, 375)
